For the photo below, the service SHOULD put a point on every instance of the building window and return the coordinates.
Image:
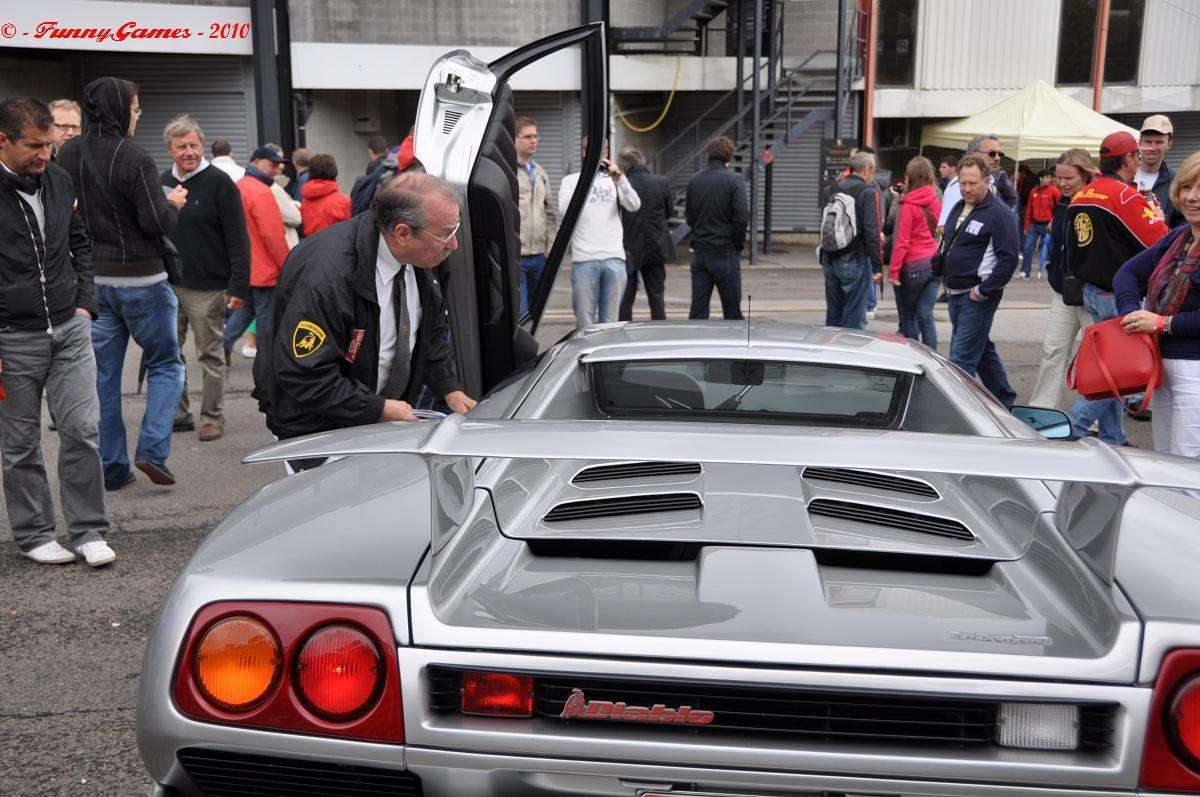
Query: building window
(896, 44)
(1077, 41)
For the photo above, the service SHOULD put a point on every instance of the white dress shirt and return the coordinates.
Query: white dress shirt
(386, 269)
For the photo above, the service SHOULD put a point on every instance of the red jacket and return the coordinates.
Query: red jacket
(1109, 222)
(268, 246)
(913, 238)
(322, 205)
(1040, 205)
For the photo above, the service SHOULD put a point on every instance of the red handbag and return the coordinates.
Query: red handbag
(1112, 363)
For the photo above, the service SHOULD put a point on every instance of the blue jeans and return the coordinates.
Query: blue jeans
(1110, 413)
(597, 285)
(1038, 231)
(258, 310)
(872, 298)
(531, 272)
(915, 297)
(150, 316)
(847, 289)
(722, 271)
(971, 348)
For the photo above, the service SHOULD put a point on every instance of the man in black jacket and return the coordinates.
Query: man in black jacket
(647, 240)
(127, 216)
(215, 250)
(356, 332)
(718, 215)
(47, 301)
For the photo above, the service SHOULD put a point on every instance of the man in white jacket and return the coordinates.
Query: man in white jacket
(597, 248)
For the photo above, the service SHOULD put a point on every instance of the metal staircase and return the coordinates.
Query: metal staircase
(793, 100)
(681, 33)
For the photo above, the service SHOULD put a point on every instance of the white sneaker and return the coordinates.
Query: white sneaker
(870, 315)
(50, 553)
(249, 351)
(96, 553)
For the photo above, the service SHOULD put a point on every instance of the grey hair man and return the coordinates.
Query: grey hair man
(988, 145)
(47, 345)
(647, 239)
(359, 324)
(215, 251)
(67, 122)
(848, 270)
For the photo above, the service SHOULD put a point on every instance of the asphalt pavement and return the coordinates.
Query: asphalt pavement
(72, 638)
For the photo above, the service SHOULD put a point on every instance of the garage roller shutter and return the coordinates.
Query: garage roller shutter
(217, 91)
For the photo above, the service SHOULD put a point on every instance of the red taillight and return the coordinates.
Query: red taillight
(497, 694)
(338, 672)
(1172, 751)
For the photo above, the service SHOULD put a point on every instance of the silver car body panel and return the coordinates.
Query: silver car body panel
(436, 523)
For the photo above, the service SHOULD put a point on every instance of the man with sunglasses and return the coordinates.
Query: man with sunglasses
(359, 321)
(999, 182)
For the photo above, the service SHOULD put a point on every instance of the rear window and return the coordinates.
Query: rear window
(752, 390)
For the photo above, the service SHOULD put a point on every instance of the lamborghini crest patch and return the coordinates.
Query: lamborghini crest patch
(307, 339)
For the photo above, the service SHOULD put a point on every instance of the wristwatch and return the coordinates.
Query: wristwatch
(1167, 325)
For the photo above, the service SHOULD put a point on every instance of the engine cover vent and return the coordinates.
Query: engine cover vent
(625, 505)
(635, 470)
(889, 517)
(449, 120)
(879, 481)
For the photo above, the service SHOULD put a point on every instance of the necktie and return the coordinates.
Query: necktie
(397, 379)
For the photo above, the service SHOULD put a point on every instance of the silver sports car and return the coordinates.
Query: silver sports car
(684, 558)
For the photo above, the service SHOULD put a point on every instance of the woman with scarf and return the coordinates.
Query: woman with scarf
(1168, 275)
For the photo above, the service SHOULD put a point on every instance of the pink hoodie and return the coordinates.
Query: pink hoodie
(913, 239)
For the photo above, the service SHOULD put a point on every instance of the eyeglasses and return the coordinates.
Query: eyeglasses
(443, 241)
(995, 154)
(76, 128)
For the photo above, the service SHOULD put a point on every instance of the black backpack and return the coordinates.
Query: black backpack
(365, 186)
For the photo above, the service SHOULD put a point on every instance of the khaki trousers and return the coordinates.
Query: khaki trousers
(1062, 329)
(204, 312)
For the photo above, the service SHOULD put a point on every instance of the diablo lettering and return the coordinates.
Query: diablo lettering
(577, 707)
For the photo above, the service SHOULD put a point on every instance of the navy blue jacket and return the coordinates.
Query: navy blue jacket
(985, 249)
(1130, 282)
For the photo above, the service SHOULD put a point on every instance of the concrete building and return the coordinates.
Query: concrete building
(952, 58)
(357, 66)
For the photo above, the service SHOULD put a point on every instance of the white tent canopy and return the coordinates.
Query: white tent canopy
(1039, 121)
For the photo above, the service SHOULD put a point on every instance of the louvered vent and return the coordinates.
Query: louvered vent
(635, 470)
(889, 517)
(623, 506)
(878, 481)
(449, 120)
(220, 773)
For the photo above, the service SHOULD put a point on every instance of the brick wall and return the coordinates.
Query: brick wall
(450, 22)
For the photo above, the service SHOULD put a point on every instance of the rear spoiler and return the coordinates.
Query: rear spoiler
(1098, 479)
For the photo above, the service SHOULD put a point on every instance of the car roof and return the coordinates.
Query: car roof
(765, 340)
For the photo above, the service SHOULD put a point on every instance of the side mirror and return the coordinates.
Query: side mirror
(1050, 424)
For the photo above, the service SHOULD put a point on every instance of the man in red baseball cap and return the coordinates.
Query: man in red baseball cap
(1109, 221)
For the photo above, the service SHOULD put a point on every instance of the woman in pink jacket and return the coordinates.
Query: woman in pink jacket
(910, 270)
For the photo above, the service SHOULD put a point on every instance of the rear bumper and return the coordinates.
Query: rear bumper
(444, 773)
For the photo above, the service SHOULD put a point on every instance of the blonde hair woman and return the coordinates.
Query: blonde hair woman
(1168, 275)
(1074, 170)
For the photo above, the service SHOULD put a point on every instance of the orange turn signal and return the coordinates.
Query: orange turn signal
(237, 663)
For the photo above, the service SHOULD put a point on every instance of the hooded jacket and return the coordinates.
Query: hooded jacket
(264, 225)
(322, 205)
(127, 226)
(913, 240)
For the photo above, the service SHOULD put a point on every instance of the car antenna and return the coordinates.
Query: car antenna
(749, 299)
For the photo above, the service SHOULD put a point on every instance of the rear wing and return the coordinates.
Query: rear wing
(1097, 479)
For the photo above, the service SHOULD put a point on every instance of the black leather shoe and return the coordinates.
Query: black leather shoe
(125, 482)
(159, 474)
(183, 425)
